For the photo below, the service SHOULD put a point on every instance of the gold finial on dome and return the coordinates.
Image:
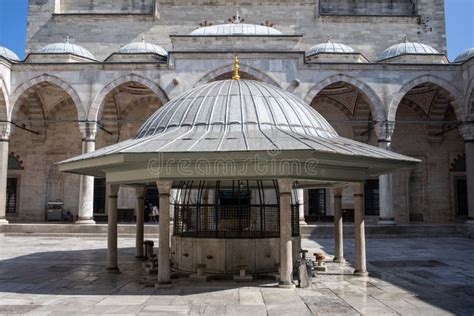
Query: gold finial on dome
(236, 68)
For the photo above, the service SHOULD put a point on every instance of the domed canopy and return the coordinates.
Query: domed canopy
(329, 47)
(465, 55)
(8, 54)
(66, 48)
(236, 29)
(143, 48)
(237, 120)
(408, 48)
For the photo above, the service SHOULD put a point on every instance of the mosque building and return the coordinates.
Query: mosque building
(376, 73)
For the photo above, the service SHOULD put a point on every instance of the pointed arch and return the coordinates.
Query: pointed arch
(99, 99)
(210, 76)
(469, 106)
(375, 104)
(4, 104)
(456, 97)
(70, 91)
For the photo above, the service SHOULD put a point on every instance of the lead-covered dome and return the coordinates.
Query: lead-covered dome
(236, 29)
(237, 106)
(143, 48)
(8, 54)
(465, 55)
(408, 48)
(329, 48)
(67, 48)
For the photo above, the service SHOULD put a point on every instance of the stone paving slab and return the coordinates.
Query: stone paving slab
(66, 276)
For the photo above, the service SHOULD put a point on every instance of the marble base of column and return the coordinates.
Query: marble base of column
(470, 226)
(85, 221)
(361, 273)
(3, 221)
(386, 221)
(339, 260)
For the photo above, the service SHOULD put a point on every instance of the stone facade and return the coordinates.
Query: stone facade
(422, 98)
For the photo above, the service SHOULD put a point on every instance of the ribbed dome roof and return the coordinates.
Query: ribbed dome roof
(66, 48)
(408, 48)
(237, 105)
(329, 47)
(236, 116)
(8, 54)
(143, 48)
(465, 55)
(235, 29)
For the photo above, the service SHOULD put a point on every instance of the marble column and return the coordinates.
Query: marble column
(286, 246)
(4, 142)
(360, 259)
(86, 190)
(467, 131)
(338, 227)
(387, 211)
(164, 272)
(112, 248)
(140, 225)
(300, 199)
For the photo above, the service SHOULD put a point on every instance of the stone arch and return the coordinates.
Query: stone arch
(54, 81)
(243, 68)
(375, 104)
(99, 99)
(470, 100)
(3, 101)
(456, 101)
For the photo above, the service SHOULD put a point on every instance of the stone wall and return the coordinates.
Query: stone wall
(368, 7)
(104, 34)
(106, 6)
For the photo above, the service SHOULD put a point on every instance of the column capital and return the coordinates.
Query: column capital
(5, 131)
(358, 188)
(467, 131)
(285, 185)
(337, 192)
(140, 191)
(164, 187)
(384, 131)
(88, 130)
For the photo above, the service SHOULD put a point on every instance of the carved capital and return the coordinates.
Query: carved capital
(5, 130)
(467, 131)
(88, 130)
(384, 131)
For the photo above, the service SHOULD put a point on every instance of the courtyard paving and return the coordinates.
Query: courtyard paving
(65, 276)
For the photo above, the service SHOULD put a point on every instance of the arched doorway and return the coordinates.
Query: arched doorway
(123, 111)
(45, 130)
(426, 127)
(350, 111)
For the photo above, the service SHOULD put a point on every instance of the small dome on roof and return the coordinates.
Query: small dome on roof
(329, 47)
(143, 48)
(235, 29)
(408, 48)
(66, 48)
(465, 55)
(8, 54)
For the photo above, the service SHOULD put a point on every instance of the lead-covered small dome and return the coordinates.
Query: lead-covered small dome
(66, 48)
(465, 55)
(329, 48)
(236, 29)
(143, 48)
(411, 48)
(8, 54)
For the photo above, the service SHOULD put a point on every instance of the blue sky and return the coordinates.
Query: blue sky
(459, 25)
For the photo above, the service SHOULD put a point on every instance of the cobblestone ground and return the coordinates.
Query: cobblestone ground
(63, 276)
